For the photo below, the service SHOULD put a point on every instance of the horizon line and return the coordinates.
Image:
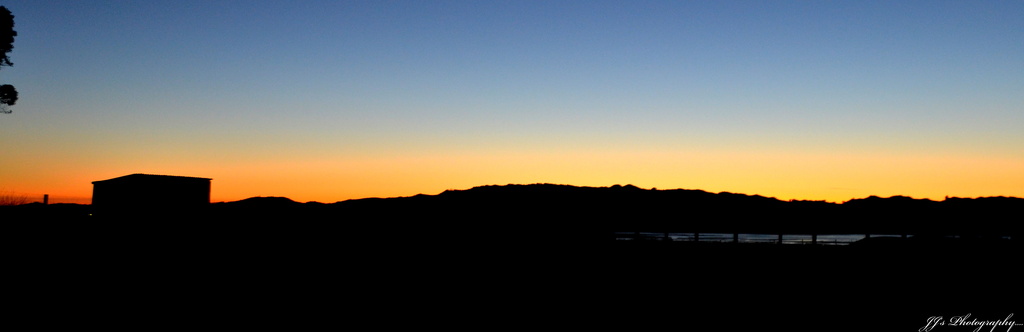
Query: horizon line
(64, 199)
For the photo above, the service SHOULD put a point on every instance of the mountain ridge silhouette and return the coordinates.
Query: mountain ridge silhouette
(492, 187)
(553, 245)
(558, 213)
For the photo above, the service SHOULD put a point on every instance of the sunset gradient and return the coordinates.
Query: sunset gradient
(333, 100)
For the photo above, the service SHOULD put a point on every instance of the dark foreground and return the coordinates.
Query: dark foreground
(537, 257)
(300, 275)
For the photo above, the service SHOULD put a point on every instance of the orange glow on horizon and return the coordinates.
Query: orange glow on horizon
(784, 175)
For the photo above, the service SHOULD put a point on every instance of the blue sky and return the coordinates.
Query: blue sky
(191, 85)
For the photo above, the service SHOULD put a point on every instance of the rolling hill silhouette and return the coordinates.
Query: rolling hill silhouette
(593, 212)
(565, 212)
(529, 253)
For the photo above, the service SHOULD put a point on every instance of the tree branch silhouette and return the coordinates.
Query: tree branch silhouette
(8, 95)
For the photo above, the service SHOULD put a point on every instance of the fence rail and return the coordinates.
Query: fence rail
(784, 238)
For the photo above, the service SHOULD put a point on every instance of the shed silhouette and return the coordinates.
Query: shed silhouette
(139, 195)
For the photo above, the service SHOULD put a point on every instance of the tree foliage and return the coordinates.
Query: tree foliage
(7, 35)
(8, 95)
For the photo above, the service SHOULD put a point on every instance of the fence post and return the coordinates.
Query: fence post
(814, 238)
(780, 239)
(735, 237)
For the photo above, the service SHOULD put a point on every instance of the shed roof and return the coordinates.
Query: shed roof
(139, 176)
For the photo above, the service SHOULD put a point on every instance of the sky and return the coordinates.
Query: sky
(334, 100)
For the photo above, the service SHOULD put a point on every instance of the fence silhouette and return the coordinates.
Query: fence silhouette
(763, 238)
